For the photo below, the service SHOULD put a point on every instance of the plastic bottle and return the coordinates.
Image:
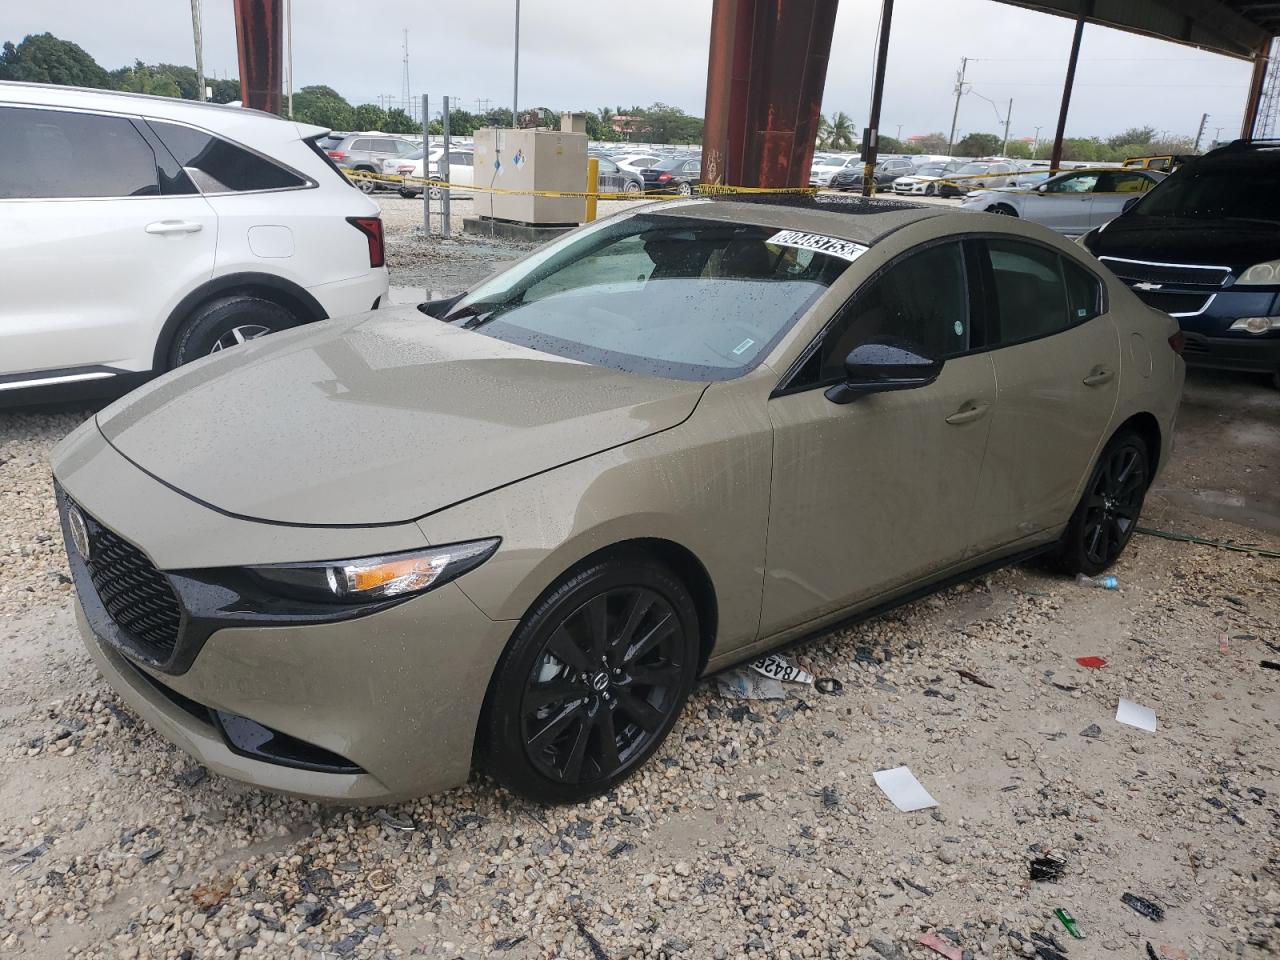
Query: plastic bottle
(1102, 583)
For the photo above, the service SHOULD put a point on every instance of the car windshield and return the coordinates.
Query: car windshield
(670, 163)
(659, 294)
(970, 168)
(1225, 193)
(932, 170)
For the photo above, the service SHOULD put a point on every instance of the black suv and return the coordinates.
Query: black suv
(1204, 246)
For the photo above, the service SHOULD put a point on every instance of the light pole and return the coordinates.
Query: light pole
(515, 83)
(195, 29)
(1036, 145)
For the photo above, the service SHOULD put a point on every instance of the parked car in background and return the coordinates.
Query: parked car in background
(635, 162)
(978, 175)
(1204, 246)
(415, 166)
(365, 153)
(923, 180)
(663, 433)
(1167, 164)
(615, 179)
(679, 174)
(1073, 202)
(820, 174)
(886, 171)
(1029, 179)
(138, 233)
(462, 169)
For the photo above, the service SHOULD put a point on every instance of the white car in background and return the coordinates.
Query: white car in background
(1071, 203)
(924, 181)
(635, 162)
(820, 173)
(462, 169)
(138, 233)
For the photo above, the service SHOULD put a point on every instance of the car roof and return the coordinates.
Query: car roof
(220, 117)
(849, 218)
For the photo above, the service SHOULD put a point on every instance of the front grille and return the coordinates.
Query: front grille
(1179, 304)
(1171, 274)
(135, 594)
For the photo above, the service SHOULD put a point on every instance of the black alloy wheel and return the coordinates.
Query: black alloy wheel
(1108, 512)
(594, 680)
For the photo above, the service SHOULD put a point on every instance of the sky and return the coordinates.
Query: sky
(576, 54)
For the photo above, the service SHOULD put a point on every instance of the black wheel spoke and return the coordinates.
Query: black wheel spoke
(597, 615)
(642, 712)
(640, 605)
(562, 647)
(657, 633)
(665, 675)
(577, 750)
(607, 746)
(559, 690)
(554, 727)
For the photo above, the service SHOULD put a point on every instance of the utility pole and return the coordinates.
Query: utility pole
(1004, 151)
(195, 30)
(899, 136)
(955, 114)
(288, 32)
(1035, 147)
(1204, 118)
(515, 82)
(405, 94)
(872, 138)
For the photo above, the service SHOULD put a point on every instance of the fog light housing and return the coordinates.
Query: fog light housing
(1256, 324)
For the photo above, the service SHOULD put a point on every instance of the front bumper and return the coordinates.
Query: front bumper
(374, 708)
(1206, 317)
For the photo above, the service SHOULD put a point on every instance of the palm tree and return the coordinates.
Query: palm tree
(841, 137)
(824, 132)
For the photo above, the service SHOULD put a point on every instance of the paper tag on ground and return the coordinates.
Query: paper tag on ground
(780, 668)
(901, 786)
(831, 246)
(1136, 715)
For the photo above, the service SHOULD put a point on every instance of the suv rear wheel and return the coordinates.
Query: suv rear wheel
(225, 322)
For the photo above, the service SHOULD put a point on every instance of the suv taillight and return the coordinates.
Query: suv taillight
(1177, 342)
(371, 227)
(336, 154)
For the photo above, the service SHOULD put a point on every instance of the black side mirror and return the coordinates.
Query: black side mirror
(879, 367)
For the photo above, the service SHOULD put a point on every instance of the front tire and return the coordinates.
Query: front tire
(1105, 518)
(1003, 209)
(632, 187)
(930, 190)
(592, 682)
(225, 322)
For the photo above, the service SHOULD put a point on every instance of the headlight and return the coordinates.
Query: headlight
(1256, 324)
(1261, 275)
(376, 578)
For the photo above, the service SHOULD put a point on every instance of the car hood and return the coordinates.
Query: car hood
(378, 419)
(1231, 243)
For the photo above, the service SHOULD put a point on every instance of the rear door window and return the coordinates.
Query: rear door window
(218, 166)
(61, 154)
(1028, 294)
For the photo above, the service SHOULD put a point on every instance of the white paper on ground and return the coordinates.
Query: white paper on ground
(780, 668)
(901, 786)
(1136, 715)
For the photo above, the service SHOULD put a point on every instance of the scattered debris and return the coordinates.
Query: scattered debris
(934, 692)
(622, 846)
(379, 880)
(743, 683)
(504, 944)
(1269, 664)
(1047, 868)
(938, 945)
(1093, 663)
(829, 685)
(1143, 906)
(974, 678)
(1068, 922)
(1222, 643)
(901, 787)
(779, 667)
(1107, 582)
(1092, 731)
(887, 950)
(1136, 715)
(390, 820)
(207, 896)
(917, 887)
(597, 951)
(830, 797)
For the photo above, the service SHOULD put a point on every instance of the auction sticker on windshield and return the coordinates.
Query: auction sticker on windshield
(832, 246)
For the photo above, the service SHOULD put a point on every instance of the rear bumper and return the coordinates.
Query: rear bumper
(355, 295)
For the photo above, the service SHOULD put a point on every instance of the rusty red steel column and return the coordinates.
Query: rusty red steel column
(1261, 60)
(260, 43)
(766, 67)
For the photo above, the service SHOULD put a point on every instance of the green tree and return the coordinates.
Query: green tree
(1084, 149)
(661, 123)
(43, 58)
(369, 116)
(1019, 150)
(400, 122)
(184, 77)
(891, 145)
(1138, 136)
(226, 91)
(824, 132)
(929, 143)
(141, 78)
(843, 134)
(324, 107)
(979, 145)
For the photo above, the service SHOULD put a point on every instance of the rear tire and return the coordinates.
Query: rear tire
(685, 189)
(1108, 512)
(592, 682)
(224, 322)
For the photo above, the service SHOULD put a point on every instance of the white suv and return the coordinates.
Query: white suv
(138, 233)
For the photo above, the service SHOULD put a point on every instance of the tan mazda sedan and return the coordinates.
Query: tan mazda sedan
(510, 529)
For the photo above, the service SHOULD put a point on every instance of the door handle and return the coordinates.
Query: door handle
(165, 227)
(1098, 377)
(968, 413)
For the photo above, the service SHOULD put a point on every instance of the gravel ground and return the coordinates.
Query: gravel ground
(757, 830)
